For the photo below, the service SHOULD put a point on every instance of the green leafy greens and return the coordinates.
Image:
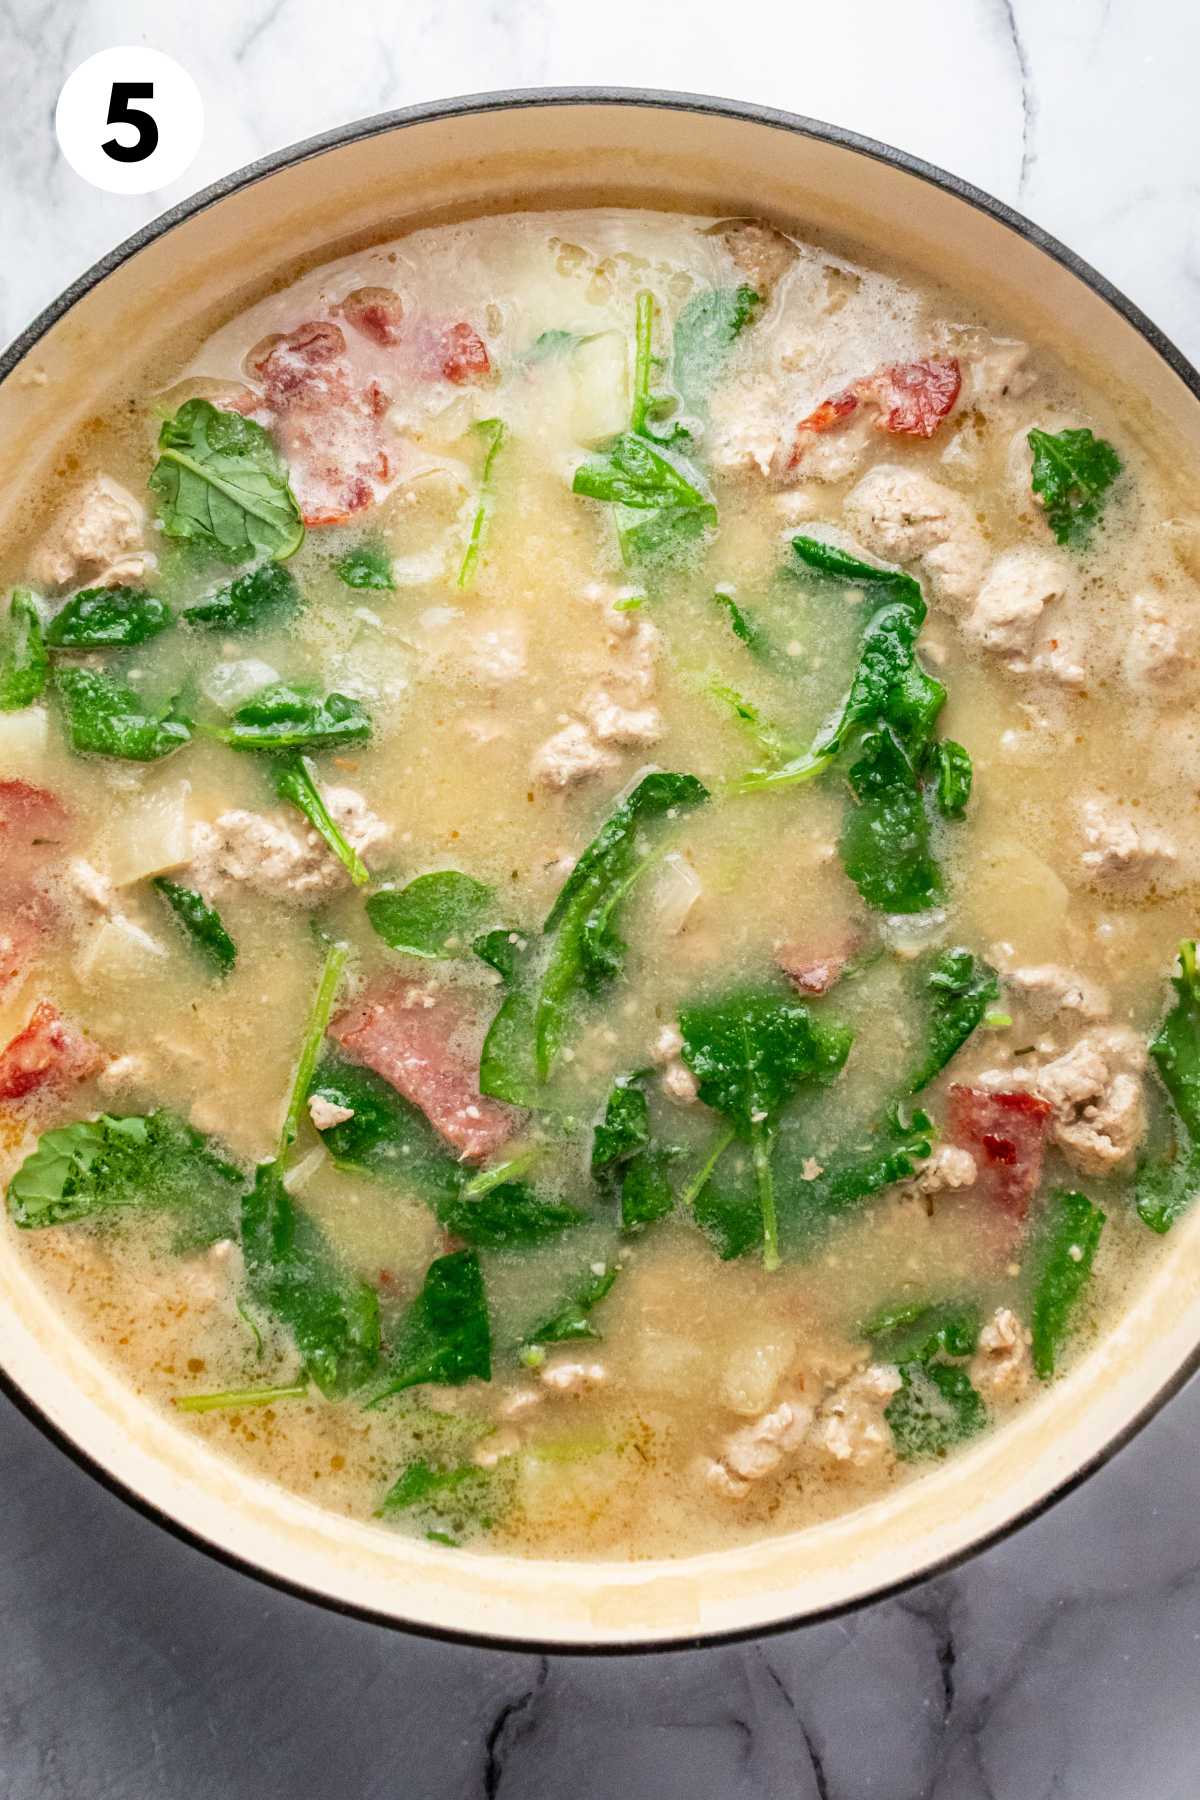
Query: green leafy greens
(221, 483)
(202, 923)
(750, 1052)
(250, 602)
(1072, 473)
(493, 433)
(153, 1162)
(434, 916)
(286, 716)
(586, 951)
(960, 989)
(295, 780)
(106, 718)
(445, 1336)
(101, 618)
(1167, 1189)
(1064, 1251)
(24, 665)
(367, 565)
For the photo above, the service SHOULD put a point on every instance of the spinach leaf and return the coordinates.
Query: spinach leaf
(385, 1137)
(1164, 1191)
(451, 1502)
(705, 330)
(624, 1159)
(433, 916)
(250, 602)
(889, 686)
(506, 1216)
(750, 1053)
(292, 1272)
(771, 743)
(936, 1407)
(99, 618)
(954, 773)
(1064, 1251)
(493, 432)
(884, 841)
(202, 923)
(960, 989)
(918, 1331)
(296, 781)
(664, 536)
(552, 343)
(888, 1153)
(392, 1141)
(286, 716)
(573, 1320)
(1072, 473)
(637, 473)
(743, 627)
(24, 666)
(624, 1130)
(106, 718)
(587, 952)
(153, 1162)
(220, 482)
(234, 1399)
(367, 565)
(445, 1336)
(507, 1062)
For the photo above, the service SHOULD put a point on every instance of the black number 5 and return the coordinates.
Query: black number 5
(121, 113)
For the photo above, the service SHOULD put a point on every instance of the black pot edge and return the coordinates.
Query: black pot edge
(667, 100)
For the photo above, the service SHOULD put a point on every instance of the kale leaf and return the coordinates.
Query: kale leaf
(445, 1336)
(586, 951)
(1064, 1251)
(434, 916)
(286, 716)
(750, 1052)
(221, 483)
(295, 780)
(106, 718)
(367, 565)
(250, 602)
(1165, 1190)
(100, 618)
(24, 665)
(153, 1162)
(202, 923)
(960, 990)
(1072, 473)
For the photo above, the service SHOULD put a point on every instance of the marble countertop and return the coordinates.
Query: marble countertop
(1062, 1665)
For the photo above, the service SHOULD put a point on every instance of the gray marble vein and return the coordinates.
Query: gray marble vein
(1062, 1665)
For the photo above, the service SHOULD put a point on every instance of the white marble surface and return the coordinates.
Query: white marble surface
(1063, 1665)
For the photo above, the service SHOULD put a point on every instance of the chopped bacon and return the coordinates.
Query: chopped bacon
(464, 354)
(377, 312)
(328, 429)
(33, 824)
(914, 397)
(831, 412)
(1006, 1134)
(813, 968)
(49, 1052)
(412, 1038)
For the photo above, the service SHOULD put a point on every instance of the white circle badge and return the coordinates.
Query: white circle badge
(129, 120)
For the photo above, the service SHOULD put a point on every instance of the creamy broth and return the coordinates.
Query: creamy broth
(763, 1156)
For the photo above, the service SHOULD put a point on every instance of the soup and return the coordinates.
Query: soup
(594, 903)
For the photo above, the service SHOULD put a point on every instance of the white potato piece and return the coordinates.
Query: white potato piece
(154, 836)
(115, 951)
(600, 377)
(24, 740)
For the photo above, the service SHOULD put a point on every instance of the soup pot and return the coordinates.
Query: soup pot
(553, 149)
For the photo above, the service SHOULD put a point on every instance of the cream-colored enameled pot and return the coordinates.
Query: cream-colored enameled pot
(494, 153)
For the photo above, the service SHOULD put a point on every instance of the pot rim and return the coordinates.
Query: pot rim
(669, 100)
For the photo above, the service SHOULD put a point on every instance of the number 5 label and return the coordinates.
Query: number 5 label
(129, 120)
